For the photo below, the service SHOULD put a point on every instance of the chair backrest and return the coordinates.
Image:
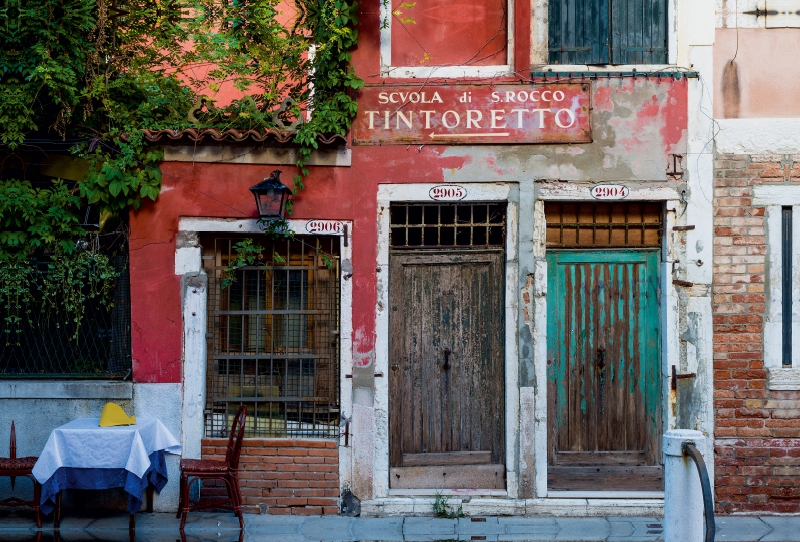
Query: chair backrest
(12, 446)
(235, 439)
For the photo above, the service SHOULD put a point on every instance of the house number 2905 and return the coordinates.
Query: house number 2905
(448, 192)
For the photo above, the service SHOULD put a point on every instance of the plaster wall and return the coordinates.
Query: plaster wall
(637, 124)
(756, 73)
(38, 407)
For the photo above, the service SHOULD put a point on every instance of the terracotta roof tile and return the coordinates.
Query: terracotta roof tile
(211, 135)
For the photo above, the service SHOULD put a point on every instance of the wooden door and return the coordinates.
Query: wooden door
(446, 370)
(604, 383)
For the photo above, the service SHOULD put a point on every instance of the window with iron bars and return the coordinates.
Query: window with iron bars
(274, 339)
(435, 225)
(45, 345)
(590, 224)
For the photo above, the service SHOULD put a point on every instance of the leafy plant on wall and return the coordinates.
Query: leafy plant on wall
(100, 71)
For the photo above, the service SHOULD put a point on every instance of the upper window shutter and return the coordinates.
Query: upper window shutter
(578, 31)
(638, 32)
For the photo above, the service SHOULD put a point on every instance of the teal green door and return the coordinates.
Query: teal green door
(604, 383)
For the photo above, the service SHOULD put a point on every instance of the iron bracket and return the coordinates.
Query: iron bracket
(677, 170)
(676, 377)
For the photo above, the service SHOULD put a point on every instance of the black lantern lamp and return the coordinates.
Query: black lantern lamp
(270, 197)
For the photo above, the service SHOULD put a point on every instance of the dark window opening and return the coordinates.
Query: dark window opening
(274, 339)
(50, 344)
(786, 301)
(431, 225)
(588, 224)
(608, 31)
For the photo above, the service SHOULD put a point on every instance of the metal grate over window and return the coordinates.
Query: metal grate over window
(588, 224)
(44, 345)
(432, 225)
(274, 339)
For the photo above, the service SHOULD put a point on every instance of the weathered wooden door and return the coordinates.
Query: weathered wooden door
(446, 370)
(604, 383)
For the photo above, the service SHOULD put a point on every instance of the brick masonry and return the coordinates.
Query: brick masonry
(757, 435)
(283, 476)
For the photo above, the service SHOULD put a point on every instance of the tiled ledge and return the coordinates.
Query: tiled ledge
(65, 389)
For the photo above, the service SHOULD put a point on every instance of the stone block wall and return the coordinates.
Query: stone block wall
(283, 476)
(757, 435)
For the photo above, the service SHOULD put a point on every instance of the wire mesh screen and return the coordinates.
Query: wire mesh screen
(465, 225)
(44, 344)
(584, 224)
(274, 339)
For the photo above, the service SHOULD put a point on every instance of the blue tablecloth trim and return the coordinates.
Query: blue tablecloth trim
(72, 478)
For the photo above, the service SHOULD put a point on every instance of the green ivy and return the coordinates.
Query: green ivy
(73, 279)
(101, 71)
(105, 70)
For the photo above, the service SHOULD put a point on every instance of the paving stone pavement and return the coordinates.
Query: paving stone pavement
(18, 526)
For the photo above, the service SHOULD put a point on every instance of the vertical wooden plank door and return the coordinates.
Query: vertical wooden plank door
(604, 383)
(446, 370)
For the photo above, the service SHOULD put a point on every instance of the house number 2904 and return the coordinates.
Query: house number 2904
(610, 191)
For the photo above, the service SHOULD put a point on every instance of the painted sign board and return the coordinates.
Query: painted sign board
(610, 191)
(468, 114)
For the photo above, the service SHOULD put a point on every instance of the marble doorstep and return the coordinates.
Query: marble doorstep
(18, 526)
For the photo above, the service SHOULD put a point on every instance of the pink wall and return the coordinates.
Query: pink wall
(764, 80)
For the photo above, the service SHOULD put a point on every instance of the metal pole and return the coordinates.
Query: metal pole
(683, 494)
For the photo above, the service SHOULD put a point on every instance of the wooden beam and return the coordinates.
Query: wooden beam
(605, 478)
(451, 477)
(447, 458)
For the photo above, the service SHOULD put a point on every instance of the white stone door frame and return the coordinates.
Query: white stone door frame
(420, 192)
(188, 264)
(670, 341)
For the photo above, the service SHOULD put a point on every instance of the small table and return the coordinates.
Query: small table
(82, 455)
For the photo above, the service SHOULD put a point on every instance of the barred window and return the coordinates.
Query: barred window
(434, 225)
(589, 224)
(274, 338)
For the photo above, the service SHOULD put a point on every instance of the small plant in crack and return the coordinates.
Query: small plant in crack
(441, 508)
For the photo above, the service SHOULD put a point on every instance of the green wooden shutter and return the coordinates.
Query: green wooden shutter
(638, 31)
(608, 31)
(578, 31)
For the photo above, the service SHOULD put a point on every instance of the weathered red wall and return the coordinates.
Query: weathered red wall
(636, 124)
(450, 32)
(221, 190)
(349, 193)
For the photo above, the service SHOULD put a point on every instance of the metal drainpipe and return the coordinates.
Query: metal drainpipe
(687, 491)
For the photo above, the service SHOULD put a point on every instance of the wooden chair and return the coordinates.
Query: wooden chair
(13, 466)
(227, 471)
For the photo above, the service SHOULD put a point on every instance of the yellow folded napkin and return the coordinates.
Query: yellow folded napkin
(114, 415)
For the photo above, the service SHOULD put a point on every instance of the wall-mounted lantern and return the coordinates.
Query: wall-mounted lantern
(271, 196)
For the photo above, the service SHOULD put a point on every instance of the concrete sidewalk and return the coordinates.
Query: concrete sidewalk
(223, 527)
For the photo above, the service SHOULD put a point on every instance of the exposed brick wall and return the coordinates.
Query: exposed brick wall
(757, 430)
(283, 476)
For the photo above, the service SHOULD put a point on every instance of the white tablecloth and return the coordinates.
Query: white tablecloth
(82, 443)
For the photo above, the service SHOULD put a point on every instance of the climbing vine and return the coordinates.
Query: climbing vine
(99, 72)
